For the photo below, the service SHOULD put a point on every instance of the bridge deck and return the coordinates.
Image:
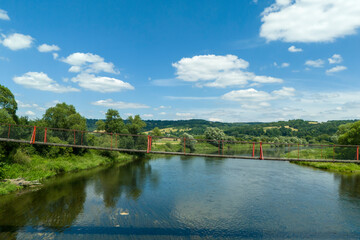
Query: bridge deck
(182, 153)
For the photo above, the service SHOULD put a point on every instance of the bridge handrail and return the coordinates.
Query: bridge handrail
(181, 138)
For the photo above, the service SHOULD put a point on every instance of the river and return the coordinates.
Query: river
(188, 198)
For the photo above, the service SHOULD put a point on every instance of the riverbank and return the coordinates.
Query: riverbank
(333, 167)
(40, 168)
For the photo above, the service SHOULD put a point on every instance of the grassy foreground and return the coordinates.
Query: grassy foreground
(40, 168)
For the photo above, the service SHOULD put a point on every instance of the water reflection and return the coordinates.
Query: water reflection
(54, 207)
(57, 205)
(129, 180)
(349, 185)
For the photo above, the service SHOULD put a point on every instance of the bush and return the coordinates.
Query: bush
(2, 170)
(190, 142)
(109, 154)
(168, 145)
(21, 158)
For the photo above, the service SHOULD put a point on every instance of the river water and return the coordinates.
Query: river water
(188, 198)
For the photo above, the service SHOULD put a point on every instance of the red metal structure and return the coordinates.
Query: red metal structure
(177, 146)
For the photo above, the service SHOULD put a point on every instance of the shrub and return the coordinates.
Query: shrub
(2, 170)
(190, 142)
(21, 158)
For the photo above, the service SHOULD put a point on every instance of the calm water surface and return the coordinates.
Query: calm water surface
(188, 198)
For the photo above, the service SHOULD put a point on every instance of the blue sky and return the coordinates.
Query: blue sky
(230, 61)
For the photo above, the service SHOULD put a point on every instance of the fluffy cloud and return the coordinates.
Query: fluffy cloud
(119, 105)
(26, 105)
(247, 95)
(101, 84)
(336, 69)
(315, 63)
(283, 65)
(89, 63)
(185, 115)
(218, 71)
(48, 48)
(253, 95)
(41, 81)
(294, 49)
(4, 15)
(17, 41)
(215, 119)
(162, 107)
(29, 113)
(284, 92)
(289, 20)
(147, 115)
(336, 58)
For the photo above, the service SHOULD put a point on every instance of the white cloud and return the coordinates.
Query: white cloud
(29, 113)
(17, 41)
(294, 49)
(48, 48)
(215, 119)
(316, 106)
(147, 115)
(190, 98)
(246, 95)
(26, 105)
(336, 69)
(162, 113)
(90, 63)
(4, 15)
(284, 92)
(41, 81)
(310, 20)
(315, 63)
(261, 98)
(336, 58)
(55, 55)
(101, 84)
(161, 107)
(185, 114)
(284, 65)
(218, 71)
(119, 105)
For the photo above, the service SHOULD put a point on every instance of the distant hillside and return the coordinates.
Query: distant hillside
(297, 128)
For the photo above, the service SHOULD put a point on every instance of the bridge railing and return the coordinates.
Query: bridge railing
(255, 149)
(181, 145)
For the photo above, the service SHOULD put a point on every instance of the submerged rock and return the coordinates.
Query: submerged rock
(22, 182)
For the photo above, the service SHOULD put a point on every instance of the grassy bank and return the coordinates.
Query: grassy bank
(326, 153)
(40, 168)
(334, 167)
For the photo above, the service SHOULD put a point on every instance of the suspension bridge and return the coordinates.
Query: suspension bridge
(147, 144)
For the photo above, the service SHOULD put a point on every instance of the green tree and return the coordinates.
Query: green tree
(135, 124)
(215, 134)
(189, 142)
(100, 125)
(156, 132)
(7, 101)
(5, 117)
(350, 134)
(113, 122)
(64, 116)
